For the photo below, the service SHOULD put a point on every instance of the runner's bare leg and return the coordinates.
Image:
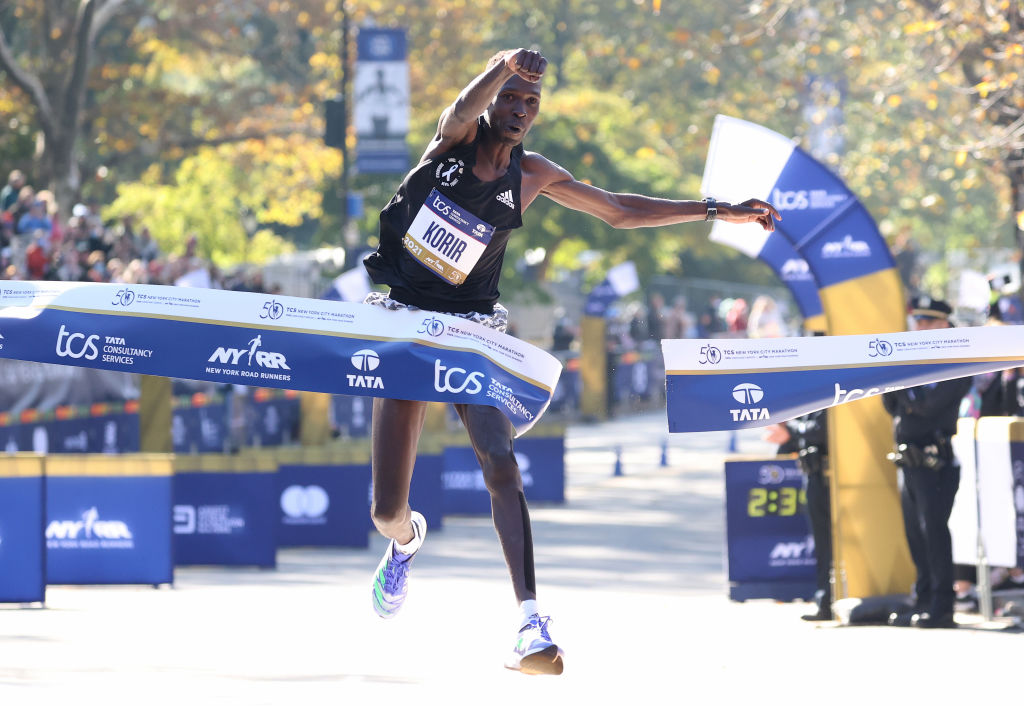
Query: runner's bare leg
(396, 429)
(491, 434)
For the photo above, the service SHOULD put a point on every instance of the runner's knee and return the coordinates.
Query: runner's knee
(501, 472)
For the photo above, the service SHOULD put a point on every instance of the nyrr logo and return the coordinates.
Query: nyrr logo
(792, 552)
(123, 297)
(456, 379)
(76, 345)
(265, 359)
(89, 533)
(747, 393)
(847, 247)
(366, 361)
(795, 269)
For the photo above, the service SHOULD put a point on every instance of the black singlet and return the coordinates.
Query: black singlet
(496, 203)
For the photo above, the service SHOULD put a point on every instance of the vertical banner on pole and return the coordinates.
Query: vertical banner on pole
(381, 91)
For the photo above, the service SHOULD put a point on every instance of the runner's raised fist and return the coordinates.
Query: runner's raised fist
(530, 65)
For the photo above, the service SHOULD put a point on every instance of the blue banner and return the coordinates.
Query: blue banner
(426, 495)
(769, 545)
(108, 529)
(200, 429)
(726, 384)
(106, 434)
(22, 524)
(225, 518)
(322, 505)
(298, 344)
(541, 464)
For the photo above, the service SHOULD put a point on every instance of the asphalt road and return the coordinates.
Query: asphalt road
(630, 568)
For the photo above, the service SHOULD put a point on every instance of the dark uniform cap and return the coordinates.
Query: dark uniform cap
(927, 308)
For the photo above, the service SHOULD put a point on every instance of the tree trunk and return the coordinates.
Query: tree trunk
(60, 171)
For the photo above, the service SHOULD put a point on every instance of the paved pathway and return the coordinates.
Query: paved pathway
(630, 567)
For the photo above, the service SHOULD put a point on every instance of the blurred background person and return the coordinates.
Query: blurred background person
(765, 320)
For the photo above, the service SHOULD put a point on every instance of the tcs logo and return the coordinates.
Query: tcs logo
(441, 206)
(456, 379)
(790, 200)
(76, 345)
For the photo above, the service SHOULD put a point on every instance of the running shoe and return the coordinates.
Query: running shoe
(391, 582)
(534, 652)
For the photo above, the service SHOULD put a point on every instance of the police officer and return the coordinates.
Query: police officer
(924, 420)
(807, 436)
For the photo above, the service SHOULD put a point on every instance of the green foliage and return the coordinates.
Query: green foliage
(196, 110)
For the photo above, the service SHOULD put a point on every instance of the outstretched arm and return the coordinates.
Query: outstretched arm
(458, 121)
(542, 176)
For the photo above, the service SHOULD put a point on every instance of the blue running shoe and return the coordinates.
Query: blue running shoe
(391, 582)
(534, 652)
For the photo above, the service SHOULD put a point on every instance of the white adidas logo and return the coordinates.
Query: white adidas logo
(506, 198)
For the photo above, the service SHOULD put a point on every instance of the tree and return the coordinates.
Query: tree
(983, 42)
(50, 67)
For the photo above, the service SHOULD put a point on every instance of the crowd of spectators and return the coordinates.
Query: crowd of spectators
(37, 243)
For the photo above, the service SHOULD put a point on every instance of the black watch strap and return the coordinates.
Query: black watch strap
(712, 206)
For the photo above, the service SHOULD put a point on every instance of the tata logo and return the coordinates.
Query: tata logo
(123, 297)
(1, 341)
(856, 393)
(431, 326)
(847, 247)
(456, 379)
(272, 310)
(366, 360)
(76, 345)
(709, 355)
(749, 394)
(795, 268)
(879, 347)
(265, 359)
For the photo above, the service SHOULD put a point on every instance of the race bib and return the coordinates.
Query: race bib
(446, 239)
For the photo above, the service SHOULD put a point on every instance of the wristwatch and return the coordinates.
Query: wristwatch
(712, 212)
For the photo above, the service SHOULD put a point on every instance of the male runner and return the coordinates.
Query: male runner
(476, 164)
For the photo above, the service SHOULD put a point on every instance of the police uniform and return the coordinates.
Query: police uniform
(924, 421)
(809, 440)
(443, 234)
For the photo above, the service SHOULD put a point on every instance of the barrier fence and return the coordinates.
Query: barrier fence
(131, 518)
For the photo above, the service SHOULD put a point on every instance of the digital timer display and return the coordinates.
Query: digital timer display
(781, 502)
